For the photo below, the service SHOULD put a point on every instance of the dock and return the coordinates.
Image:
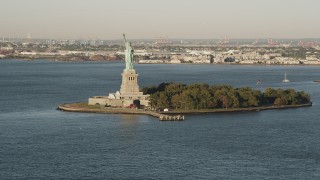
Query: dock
(171, 118)
(164, 117)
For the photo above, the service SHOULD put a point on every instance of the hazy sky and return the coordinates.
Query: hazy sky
(107, 19)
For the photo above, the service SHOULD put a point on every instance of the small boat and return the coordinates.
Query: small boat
(259, 82)
(318, 81)
(285, 80)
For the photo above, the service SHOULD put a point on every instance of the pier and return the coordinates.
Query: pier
(164, 117)
(171, 118)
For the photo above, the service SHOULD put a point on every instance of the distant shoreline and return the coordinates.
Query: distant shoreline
(235, 64)
(85, 108)
(240, 64)
(57, 60)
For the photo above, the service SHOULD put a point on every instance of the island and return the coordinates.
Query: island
(171, 101)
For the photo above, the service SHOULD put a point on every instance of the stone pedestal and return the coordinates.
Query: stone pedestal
(129, 83)
(129, 92)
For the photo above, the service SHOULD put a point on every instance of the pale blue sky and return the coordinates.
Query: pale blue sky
(106, 19)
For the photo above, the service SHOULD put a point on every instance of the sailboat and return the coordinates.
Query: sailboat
(285, 80)
(259, 82)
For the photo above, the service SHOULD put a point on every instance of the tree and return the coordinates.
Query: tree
(163, 101)
(280, 101)
(248, 97)
(176, 101)
(154, 99)
(149, 90)
(203, 96)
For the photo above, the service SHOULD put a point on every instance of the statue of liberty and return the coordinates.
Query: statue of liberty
(128, 54)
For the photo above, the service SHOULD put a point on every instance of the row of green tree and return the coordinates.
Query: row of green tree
(203, 96)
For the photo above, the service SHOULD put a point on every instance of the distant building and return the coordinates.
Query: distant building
(312, 59)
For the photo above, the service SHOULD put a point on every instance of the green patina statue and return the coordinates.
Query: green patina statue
(128, 54)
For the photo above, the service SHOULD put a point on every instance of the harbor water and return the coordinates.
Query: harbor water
(39, 142)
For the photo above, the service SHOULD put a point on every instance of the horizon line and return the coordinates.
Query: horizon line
(117, 39)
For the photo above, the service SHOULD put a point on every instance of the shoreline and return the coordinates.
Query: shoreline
(82, 107)
(57, 60)
(232, 64)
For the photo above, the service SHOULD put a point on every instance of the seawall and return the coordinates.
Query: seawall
(168, 115)
(83, 107)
